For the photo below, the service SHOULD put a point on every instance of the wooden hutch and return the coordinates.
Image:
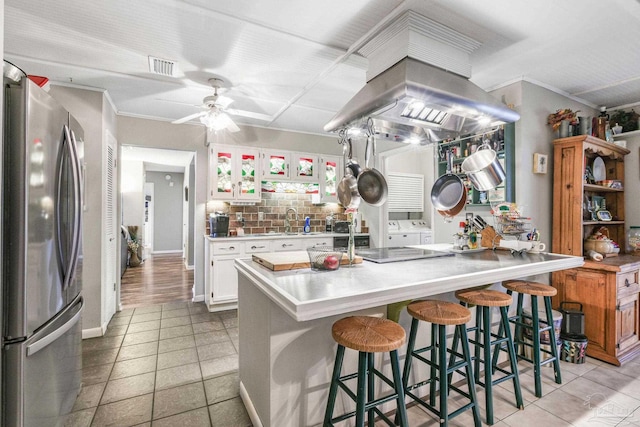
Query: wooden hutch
(608, 290)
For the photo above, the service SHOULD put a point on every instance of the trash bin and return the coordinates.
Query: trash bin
(574, 348)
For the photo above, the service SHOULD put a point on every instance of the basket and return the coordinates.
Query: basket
(324, 259)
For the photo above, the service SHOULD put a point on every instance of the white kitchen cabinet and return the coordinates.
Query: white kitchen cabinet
(221, 277)
(319, 242)
(234, 173)
(330, 174)
(276, 165)
(289, 166)
(280, 245)
(304, 166)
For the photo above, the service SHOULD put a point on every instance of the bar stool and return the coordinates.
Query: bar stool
(535, 290)
(440, 314)
(486, 340)
(367, 335)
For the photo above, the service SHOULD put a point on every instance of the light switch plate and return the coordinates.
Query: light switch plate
(239, 216)
(260, 216)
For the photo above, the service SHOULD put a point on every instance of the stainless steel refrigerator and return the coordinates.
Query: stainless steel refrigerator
(42, 261)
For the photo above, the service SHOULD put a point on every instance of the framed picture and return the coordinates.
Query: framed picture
(540, 162)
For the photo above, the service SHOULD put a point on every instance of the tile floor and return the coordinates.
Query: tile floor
(177, 365)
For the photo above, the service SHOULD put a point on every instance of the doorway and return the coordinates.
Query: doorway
(154, 188)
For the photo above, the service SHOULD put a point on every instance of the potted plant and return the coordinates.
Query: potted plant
(561, 119)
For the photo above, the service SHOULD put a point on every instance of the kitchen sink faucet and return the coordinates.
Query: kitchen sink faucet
(287, 221)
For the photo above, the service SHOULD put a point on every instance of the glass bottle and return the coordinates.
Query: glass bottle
(633, 240)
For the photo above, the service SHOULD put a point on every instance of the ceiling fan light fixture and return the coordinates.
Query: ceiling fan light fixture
(216, 120)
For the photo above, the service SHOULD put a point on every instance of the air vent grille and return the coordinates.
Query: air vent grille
(163, 67)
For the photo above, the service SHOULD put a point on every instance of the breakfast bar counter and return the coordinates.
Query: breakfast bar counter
(285, 317)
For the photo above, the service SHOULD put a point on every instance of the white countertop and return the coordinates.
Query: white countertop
(305, 294)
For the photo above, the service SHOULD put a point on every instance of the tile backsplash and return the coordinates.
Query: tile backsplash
(274, 206)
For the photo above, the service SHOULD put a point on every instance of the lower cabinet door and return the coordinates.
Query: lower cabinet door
(225, 280)
(627, 322)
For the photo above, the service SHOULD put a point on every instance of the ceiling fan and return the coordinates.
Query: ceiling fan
(215, 112)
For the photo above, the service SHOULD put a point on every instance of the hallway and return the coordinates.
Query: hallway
(162, 278)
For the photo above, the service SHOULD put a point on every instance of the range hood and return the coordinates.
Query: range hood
(418, 102)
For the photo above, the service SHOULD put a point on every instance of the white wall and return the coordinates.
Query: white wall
(132, 191)
(95, 115)
(632, 182)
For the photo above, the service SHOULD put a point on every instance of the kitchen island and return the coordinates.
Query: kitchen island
(286, 349)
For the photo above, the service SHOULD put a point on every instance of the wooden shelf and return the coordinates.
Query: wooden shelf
(602, 188)
(626, 134)
(603, 223)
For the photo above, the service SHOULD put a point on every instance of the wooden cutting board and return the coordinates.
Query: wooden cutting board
(278, 261)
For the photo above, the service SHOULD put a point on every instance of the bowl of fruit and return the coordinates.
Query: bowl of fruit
(324, 259)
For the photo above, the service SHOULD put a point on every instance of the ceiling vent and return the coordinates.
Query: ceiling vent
(163, 67)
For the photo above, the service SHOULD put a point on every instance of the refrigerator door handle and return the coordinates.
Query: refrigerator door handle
(68, 262)
(51, 337)
(77, 205)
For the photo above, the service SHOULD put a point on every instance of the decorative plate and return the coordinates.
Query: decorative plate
(599, 169)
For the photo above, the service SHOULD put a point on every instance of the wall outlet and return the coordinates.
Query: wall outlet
(260, 216)
(239, 216)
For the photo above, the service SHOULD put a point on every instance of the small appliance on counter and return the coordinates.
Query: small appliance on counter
(218, 224)
(341, 227)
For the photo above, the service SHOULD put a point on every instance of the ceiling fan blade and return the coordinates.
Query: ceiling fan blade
(223, 101)
(249, 114)
(190, 117)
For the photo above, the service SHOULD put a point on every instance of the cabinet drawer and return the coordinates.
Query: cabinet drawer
(628, 282)
(253, 247)
(288, 245)
(227, 248)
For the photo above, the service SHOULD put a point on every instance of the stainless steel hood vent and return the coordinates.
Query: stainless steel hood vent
(415, 101)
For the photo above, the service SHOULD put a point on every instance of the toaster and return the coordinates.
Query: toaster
(341, 227)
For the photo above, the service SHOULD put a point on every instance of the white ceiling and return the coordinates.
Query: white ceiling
(297, 61)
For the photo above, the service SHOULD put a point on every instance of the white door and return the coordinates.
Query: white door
(112, 238)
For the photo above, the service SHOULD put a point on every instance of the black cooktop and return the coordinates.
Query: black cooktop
(382, 255)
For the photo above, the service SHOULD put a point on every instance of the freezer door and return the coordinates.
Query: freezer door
(43, 374)
(33, 270)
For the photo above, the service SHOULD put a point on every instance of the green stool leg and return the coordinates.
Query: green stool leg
(399, 388)
(536, 346)
(361, 396)
(554, 346)
(333, 390)
(454, 348)
(476, 366)
(371, 415)
(513, 359)
(433, 370)
(518, 338)
(470, 383)
(486, 346)
(442, 375)
(410, 346)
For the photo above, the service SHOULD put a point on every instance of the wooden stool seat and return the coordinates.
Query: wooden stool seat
(484, 297)
(531, 288)
(439, 312)
(368, 334)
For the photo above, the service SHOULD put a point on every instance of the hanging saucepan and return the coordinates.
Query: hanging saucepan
(348, 194)
(448, 191)
(352, 164)
(371, 183)
(483, 168)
